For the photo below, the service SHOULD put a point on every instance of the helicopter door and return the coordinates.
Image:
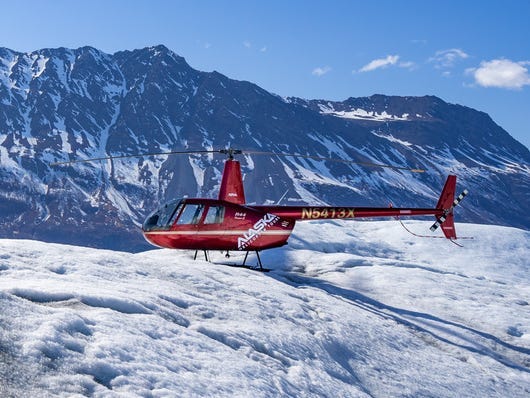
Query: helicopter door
(215, 215)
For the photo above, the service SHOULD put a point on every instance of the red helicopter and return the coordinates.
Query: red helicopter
(229, 224)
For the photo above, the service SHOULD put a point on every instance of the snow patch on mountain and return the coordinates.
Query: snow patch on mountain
(361, 114)
(391, 138)
(39, 65)
(198, 171)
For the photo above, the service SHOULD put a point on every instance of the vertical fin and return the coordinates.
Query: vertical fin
(232, 183)
(448, 193)
(445, 203)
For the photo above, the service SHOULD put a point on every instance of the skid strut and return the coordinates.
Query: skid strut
(205, 255)
(259, 260)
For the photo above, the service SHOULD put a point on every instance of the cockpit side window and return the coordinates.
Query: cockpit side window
(191, 214)
(175, 215)
(215, 215)
(165, 213)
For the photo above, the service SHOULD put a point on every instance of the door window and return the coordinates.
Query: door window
(215, 215)
(191, 214)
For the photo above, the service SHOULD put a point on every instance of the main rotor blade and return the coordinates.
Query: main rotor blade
(230, 152)
(132, 156)
(337, 160)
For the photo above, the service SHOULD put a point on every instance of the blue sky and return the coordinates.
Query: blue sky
(474, 53)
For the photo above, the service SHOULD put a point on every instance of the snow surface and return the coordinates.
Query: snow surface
(350, 309)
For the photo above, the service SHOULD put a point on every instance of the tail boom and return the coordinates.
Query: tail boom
(443, 210)
(346, 213)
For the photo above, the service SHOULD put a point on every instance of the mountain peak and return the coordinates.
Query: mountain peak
(152, 54)
(159, 48)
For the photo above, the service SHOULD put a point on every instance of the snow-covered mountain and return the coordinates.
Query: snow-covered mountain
(375, 312)
(62, 104)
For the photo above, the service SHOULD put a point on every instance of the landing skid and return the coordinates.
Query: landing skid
(249, 267)
(259, 267)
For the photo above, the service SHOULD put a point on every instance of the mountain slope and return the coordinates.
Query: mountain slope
(64, 104)
(373, 313)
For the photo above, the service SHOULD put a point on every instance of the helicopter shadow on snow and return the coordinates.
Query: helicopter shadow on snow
(424, 324)
(361, 253)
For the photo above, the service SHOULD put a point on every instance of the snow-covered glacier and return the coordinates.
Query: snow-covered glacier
(358, 309)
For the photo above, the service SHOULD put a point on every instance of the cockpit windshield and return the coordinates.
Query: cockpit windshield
(164, 217)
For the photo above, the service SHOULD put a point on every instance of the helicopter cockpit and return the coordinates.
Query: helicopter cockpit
(179, 212)
(160, 218)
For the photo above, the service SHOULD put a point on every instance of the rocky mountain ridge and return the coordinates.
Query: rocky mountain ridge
(65, 104)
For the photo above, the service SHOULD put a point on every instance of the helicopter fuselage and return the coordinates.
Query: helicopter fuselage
(209, 224)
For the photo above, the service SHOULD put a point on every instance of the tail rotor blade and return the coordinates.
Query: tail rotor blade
(440, 220)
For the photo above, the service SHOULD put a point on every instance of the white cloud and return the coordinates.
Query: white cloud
(203, 44)
(407, 65)
(263, 49)
(390, 60)
(501, 73)
(447, 58)
(247, 44)
(380, 63)
(321, 71)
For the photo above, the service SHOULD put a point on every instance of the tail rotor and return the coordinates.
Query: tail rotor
(446, 204)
